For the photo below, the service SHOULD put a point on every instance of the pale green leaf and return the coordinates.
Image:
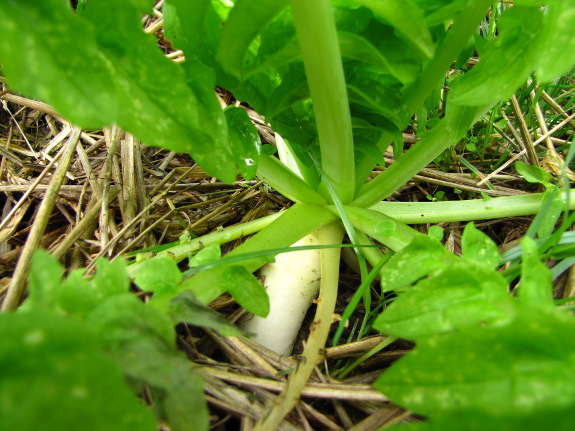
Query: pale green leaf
(533, 174)
(246, 290)
(142, 339)
(206, 255)
(111, 277)
(526, 366)
(42, 59)
(186, 308)
(477, 246)
(246, 20)
(422, 256)
(407, 18)
(57, 378)
(44, 281)
(506, 62)
(557, 44)
(159, 274)
(535, 288)
(459, 296)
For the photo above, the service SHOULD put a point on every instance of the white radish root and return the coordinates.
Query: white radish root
(292, 282)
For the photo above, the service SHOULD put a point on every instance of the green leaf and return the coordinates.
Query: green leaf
(245, 22)
(422, 256)
(206, 255)
(164, 106)
(186, 308)
(551, 209)
(533, 174)
(478, 247)
(292, 89)
(142, 339)
(506, 62)
(535, 288)
(557, 44)
(123, 317)
(100, 68)
(159, 274)
(193, 27)
(247, 290)
(111, 277)
(407, 18)
(436, 232)
(60, 379)
(459, 296)
(360, 49)
(477, 420)
(526, 366)
(42, 60)
(78, 295)
(44, 281)
(245, 141)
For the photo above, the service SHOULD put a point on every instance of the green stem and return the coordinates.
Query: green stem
(386, 230)
(473, 209)
(182, 250)
(319, 331)
(450, 47)
(447, 132)
(288, 183)
(294, 224)
(319, 44)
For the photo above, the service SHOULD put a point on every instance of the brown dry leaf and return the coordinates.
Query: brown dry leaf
(552, 162)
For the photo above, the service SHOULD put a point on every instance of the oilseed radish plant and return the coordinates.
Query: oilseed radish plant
(339, 81)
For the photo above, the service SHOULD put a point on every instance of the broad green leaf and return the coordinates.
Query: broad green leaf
(352, 46)
(123, 317)
(194, 27)
(292, 89)
(421, 257)
(478, 247)
(477, 420)
(557, 44)
(407, 18)
(158, 274)
(526, 366)
(186, 308)
(189, 25)
(535, 288)
(358, 48)
(244, 140)
(206, 255)
(246, 290)
(56, 377)
(99, 68)
(111, 277)
(376, 91)
(162, 105)
(245, 22)
(459, 296)
(142, 340)
(533, 174)
(44, 281)
(506, 63)
(50, 54)
(78, 295)
(436, 232)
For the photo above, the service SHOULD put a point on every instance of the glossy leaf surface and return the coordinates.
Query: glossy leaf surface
(60, 379)
(526, 366)
(459, 296)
